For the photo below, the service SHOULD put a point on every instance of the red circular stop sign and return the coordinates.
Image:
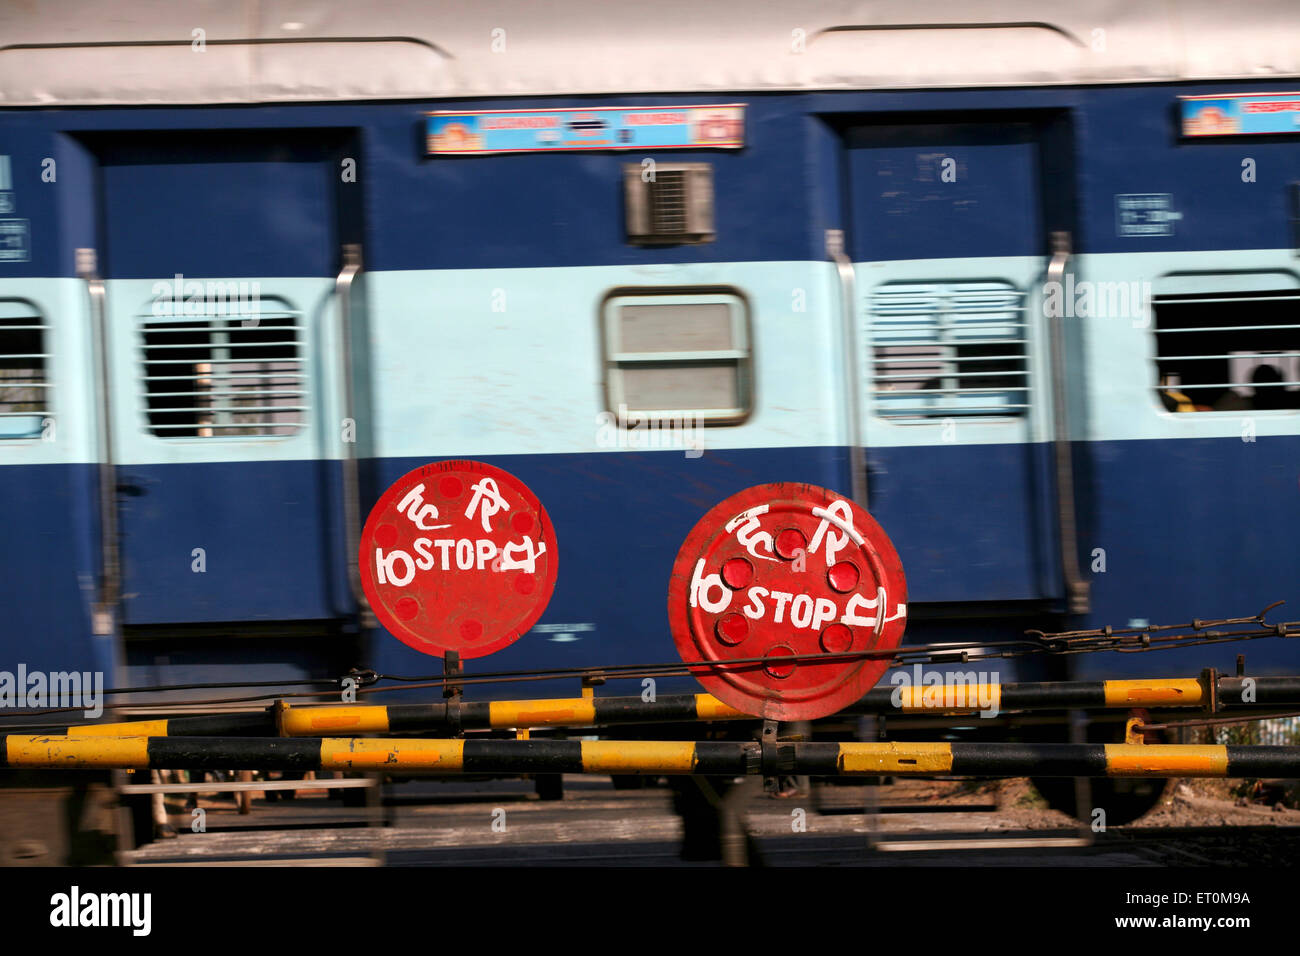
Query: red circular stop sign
(458, 556)
(779, 571)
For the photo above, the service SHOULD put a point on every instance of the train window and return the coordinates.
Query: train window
(24, 379)
(948, 349)
(672, 204)
(678, 356)
(1228, 352)
(224, 376)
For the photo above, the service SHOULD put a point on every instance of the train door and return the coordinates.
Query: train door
(951, 232)
(221, 256)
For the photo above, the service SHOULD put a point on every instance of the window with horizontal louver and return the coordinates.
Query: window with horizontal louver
(948, 349)
(221, 376)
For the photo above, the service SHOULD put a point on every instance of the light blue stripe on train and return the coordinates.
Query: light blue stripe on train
(508, 361)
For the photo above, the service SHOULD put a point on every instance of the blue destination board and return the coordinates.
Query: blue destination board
(529, 131)
(1241, 114)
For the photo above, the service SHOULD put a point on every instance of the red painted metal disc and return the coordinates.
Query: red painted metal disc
(458, 556)
(776, 572)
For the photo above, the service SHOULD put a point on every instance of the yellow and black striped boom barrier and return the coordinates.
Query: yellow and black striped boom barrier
(727, 758)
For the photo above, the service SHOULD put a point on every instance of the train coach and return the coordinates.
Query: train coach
(1025, 284)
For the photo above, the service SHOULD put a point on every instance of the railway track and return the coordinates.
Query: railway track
(499, 823)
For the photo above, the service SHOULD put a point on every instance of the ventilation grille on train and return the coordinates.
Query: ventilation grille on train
(1228, 352)
(24, 385)
(669, 202)
(225, 377)
(949, 349)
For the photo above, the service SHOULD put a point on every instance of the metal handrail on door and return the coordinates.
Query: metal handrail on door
(105, 613)
(852, 380)
(1076, 588)
(351, 492)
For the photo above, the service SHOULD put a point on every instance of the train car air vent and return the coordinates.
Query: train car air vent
(669, 203)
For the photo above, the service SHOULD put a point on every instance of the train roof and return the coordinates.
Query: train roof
(87, 52)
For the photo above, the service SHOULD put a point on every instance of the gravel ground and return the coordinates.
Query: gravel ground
(1198, 823)
(1193, 802)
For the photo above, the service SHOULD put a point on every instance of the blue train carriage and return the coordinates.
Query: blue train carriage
(1025, 286)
